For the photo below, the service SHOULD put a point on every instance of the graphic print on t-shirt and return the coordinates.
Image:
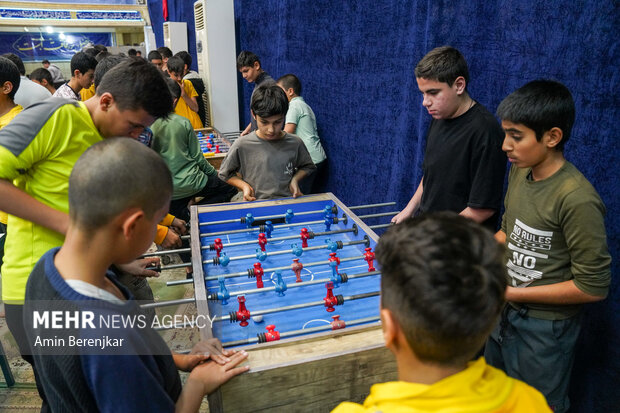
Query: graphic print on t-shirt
(527, 245)
(290, 169)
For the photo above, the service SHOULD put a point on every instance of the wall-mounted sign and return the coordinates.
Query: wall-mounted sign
(50, 14)
(51, 46)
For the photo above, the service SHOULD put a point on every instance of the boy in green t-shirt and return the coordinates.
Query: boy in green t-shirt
(300, 120)
(554, 231)
(174, 139)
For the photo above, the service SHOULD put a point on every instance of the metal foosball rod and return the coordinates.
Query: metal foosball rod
(213, 297)
(299, 332)
(232, 315)
(292, 224)
(354, 229)
(344, 277)
(333, 209)
(340, 245)
(211, 247)
(242, 273)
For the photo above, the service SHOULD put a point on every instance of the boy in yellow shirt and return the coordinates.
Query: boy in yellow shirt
(442, 290)
(9, 83)
(187, 105)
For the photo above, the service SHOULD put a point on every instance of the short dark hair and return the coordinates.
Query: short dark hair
(174, 88)
(187, 58)
(291, 81)
(104, 65)
(100, 48)
(83, 62)
(102, 55)
(132, 52)
(541, 105)
(246, 58)
(269, 100)
(443, 278)
(17, 61)
(165, 52)
(45, 61)
(137, 84)
(153, 55)
(41, 73)
(443, 64)
(9, 73)
(91, 51)
(176, 64)
(114, 175)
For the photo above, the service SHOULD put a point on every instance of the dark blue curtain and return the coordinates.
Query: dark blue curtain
(356, 60)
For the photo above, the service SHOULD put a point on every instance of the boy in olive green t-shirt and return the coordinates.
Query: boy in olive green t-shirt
(556, 256)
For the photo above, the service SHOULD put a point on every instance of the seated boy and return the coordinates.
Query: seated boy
(113, 211)
(442, 290)
(187, 106)
(267, 163)
(300, 120)
(248, 64)
(174, 139)
(554, 230)
(82, 71)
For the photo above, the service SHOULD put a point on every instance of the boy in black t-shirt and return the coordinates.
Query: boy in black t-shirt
(464, 166)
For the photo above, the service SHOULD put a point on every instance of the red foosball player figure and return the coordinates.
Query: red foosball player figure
(297, 267)
(337, 324)
(218, 246)
(304, 237)
(330, 300)
(332, 257)
(258, 273)
(272, 334)
(243, 315)
(217, 149)
(369, 256)
(262, 241)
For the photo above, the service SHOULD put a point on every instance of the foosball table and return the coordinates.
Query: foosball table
(214, 145)
(294, 282)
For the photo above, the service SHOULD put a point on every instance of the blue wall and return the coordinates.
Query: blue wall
(356, 60)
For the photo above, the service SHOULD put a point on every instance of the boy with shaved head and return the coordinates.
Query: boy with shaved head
(37, 152)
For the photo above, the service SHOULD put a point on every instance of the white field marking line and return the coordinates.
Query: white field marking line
(311, 321)
(340, 269)
(271, 278)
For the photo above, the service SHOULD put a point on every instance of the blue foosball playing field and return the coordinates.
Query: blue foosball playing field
(292, 288)
(311, 358)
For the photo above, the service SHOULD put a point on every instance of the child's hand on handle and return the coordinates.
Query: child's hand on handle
(179, 225)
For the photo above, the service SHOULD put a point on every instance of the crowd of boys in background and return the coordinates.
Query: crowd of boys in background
(450, 289)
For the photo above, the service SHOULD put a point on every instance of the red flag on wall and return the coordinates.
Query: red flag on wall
(165, 7)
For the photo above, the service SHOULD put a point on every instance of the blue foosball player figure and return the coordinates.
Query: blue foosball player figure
(280, 284)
